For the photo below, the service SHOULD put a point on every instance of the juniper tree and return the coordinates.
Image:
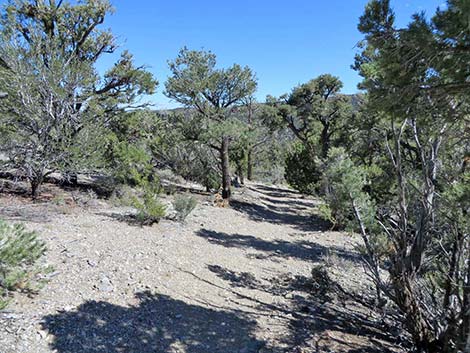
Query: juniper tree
(417, 82)
(258, 132)
(316, 113)
(312, 107)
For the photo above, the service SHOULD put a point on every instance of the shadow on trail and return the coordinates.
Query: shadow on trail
(332, 327)
(279, 215)
(319, 317)
(158, 324)
(236, 279)
(276, 191)
(279, 206)
(303, 250)
(129, 218)
(279, 285)
(299, 203)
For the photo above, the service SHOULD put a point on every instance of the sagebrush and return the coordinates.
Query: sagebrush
(184, 205)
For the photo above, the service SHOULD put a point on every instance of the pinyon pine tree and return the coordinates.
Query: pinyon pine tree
(55, 95)
(212, 94)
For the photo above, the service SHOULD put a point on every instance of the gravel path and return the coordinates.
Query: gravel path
(229, 280)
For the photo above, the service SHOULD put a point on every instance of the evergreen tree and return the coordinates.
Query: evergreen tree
(213, 94)
(19, 251)
(316, 113)
(417, 94)
(55, 94)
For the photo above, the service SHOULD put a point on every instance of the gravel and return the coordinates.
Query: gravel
(227, 280)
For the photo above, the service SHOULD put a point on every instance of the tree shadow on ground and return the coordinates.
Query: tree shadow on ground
(158, 324)
(341, 327)
(277, 286)
(297, 203)
(322, 316)
(280, 215)
(129, 218)
(32, 211)
(275, 191)
(301, 249)
(278, 206)
(236, 279)
(25, 214)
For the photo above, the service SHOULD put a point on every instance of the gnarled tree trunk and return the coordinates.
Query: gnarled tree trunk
(249, 164)
(225, 163)
(325, 140)
(36, 183)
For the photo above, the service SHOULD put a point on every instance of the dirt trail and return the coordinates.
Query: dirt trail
(234, 280)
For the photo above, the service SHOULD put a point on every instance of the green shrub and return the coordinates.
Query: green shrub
(301, 171)
(143, 198)
(19, 251)
(326, 213)
(344, 182)
(184, 205)
(149, 209)
(123, 195)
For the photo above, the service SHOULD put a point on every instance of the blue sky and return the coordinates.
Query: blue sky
(284, 42)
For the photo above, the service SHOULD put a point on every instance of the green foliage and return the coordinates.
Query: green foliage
(57, 101)
(149, 209)
(268, 160)
(301, 171)
(19, 251)
(131, 138)
(315, 112)
(212, 94)
(184, 205)
(192, 160)
(417, 83)
(129, 163)
(317, 115)
(326, 213)
(195, 82)
(345, 184)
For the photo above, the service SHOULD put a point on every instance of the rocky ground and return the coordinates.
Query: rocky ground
(228, 280)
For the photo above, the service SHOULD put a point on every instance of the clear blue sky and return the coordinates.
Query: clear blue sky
(284, 42)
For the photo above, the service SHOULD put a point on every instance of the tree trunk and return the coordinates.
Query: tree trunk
(466, 311)
(325, 140)
(414, 320)
(36, 183)
(240, 173)
(224, 158)
(249, 165)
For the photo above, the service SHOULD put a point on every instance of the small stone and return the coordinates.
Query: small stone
(92, 263)
(105, 285)
(42, 334)
(8, 315)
